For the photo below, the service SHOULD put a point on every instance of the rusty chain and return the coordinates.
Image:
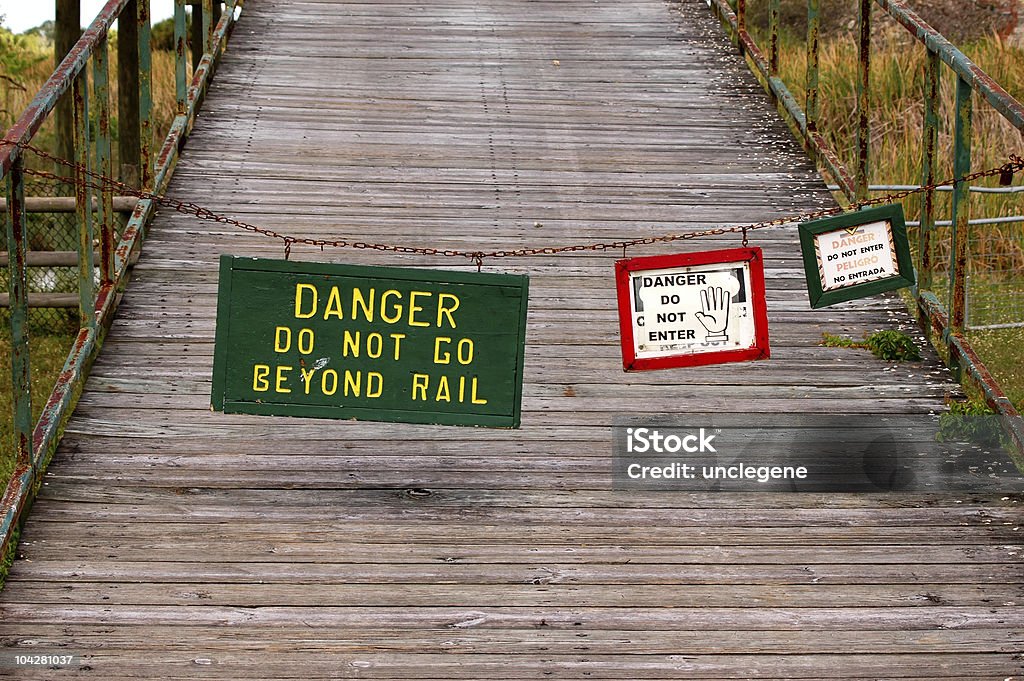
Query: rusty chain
(104, 183)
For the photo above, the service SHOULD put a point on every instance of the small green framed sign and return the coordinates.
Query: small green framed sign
(372, 343)
(855, 255)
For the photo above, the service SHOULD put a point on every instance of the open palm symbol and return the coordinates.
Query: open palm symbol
(714, 314)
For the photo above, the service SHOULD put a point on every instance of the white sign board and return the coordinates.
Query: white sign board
(847, 257)
(673, 308)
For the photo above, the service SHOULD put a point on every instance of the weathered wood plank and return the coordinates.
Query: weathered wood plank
(113, 542)
(56, 568)
(536, 642)
(447, 665)
(831, 619)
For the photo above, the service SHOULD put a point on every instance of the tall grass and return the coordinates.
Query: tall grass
(18, 91)
(897, 108)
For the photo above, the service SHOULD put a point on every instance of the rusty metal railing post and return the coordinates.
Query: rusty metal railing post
(198, 32)
(145, 97)
(180, 60)
(208, 26)
(83, 202)
(128, 142)
(135, 147)
(773, 38)
(741, 21)
(811, 80)
(961, 205)
(66, 31)
(930, 146)
(17, 287)
(101, 90)
(863, 93)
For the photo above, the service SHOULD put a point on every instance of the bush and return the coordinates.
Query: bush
(162, 34)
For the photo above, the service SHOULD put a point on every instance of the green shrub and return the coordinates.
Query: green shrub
(892, 345)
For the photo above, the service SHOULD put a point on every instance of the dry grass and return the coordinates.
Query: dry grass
(18, 92)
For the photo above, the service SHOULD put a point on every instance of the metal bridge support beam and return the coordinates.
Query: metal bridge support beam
(101, 90)
(67, 30)
(83, 202)
(128, 144)
(811, 81)
(863, 108)
(145, 79)
(961, 206)
(930, 144)
(17, 285)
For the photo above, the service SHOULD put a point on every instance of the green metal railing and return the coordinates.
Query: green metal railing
(34, 443)
(946, 320)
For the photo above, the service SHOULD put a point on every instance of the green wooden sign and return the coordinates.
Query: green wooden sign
(856, 254)
(373, 343)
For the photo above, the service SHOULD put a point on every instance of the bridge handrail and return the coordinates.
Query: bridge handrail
(946, 320)
(34, 444)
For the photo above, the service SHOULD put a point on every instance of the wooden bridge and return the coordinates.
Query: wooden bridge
(169, 541)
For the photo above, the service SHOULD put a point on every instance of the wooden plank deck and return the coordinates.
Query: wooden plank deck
(172, 542)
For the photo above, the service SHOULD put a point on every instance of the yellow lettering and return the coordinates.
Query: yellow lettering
(353, 380)
(397, 337)
(286, 344)
(397, 309)
(306, 347)
(334, 304)
(333, 376)
(419, 385)
(374, 384)
(370, 340)
(462, 389)
(438, 359)
(307, 376)
(445, 311)
(260, 383)
(474, 399)
(351, 343)
(362, 303)
(281, 380)
(414, 308)
(442, 391)
(299, 297)
(464, 343)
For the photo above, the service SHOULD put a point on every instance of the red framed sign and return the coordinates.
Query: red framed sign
(691, 309)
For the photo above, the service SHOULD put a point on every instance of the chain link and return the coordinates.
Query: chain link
(104, 183)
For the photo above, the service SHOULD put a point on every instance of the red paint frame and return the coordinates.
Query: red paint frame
(759, 308)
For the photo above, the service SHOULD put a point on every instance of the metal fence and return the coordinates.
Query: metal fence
(947, 319)
(100, 252)
(52, 276)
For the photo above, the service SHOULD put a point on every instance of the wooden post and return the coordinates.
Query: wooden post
(129, 143)
(198, 35)
(67, 31)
